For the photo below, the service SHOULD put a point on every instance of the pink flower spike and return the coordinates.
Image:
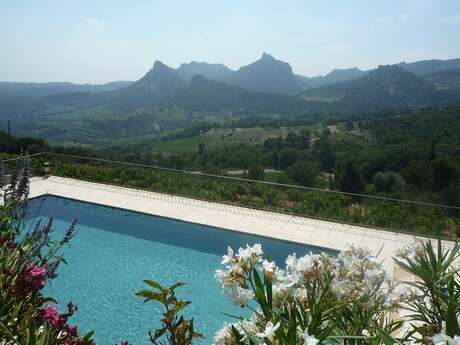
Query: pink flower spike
(38, 272)
(50, 314)
(37, 275)
(71, 330)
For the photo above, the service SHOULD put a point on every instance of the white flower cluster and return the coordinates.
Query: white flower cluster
(245, 328)
(357, 274)
(443, 339)
(237, 267)
(408, 252)
(254, 329)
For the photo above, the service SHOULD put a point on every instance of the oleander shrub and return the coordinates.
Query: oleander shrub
(29, 259)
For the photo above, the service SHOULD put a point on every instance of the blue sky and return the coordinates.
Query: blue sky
(96, 41)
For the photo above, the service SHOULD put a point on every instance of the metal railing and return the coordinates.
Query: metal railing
(299, 200)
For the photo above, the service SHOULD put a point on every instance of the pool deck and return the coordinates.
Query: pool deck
(280, 226)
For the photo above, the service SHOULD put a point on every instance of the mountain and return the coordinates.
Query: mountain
(13, 89)
(445, 80)
(161, 86)
(204, 94)
(336, 76)
(387, 87)
(426, 67)
(267, 75)
(158, 85)
(267, 85)
(211, 71)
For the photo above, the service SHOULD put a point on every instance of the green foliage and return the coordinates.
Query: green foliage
(388, 181)
(325, 153)
(349, 177)
(256, 172)
(333, 207)
(302, 172)
(433, 301)
(175, 329)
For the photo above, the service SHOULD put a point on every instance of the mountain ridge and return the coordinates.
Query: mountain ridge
(388, 86)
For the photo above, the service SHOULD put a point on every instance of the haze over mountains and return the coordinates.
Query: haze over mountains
(267, 84)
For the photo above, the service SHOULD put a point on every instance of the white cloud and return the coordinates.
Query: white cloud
(94, 22)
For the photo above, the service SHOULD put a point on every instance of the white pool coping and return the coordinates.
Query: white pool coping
(280, 226)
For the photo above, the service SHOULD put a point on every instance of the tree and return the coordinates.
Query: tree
(443, 172)
(418, 173)
(200, 149)
(349, 177)
(287, 157)
(325, 154)
(388, 181)
(256, 172)
(302, 172)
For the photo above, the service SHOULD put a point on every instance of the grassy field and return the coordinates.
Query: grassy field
(323, 99)
(220, 137)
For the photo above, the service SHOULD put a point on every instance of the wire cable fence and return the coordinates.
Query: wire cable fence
(397, 215)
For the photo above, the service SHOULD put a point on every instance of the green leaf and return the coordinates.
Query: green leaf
(88, 336)
(5, 330)
(386, 337)
(176, 285)
(150, 295)
(153, 284)
(452, 326)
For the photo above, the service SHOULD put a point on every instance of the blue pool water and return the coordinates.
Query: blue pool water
(114, 250)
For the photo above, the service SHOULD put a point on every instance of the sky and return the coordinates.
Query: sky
(97, 41)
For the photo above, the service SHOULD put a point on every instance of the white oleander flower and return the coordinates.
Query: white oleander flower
(444, 339)
(307, 262)
(248, 257)
(409, 252)
(291, 261)
(248, 328)
(280, 292)
(269, 266)
(240, 296)
(357, 274)
(225, 279)
(308, 339)
(271, 271)
(301, 294)
(224, 335)
(229, 258)
(269, 331)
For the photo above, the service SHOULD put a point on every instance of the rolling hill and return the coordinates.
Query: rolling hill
(387, 87)
(204, 94)
(426, 67)
(336, 76)
(449, 79)
(13, 89)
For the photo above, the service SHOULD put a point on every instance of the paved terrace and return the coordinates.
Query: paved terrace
(280, 226)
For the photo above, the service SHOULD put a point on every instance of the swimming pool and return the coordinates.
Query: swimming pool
(115, 249)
